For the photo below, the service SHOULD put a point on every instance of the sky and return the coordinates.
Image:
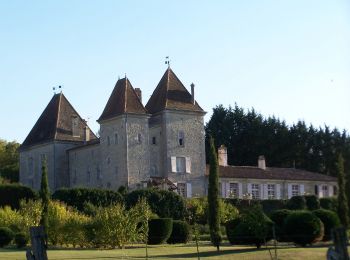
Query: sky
(290, 59)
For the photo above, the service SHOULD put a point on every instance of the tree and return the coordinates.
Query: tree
(213, 199)
(9, 160)
(44, 195)
(342, 199)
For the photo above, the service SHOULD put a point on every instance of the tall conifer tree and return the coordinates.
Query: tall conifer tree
(342, 199)
(44, 195)
(213, 198)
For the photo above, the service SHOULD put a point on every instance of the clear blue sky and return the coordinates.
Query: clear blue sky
(290, 59)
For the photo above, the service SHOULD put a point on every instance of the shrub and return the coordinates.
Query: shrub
(303, 227)
(12, 194)
(78, 197)
(329, 219)
(181, 232)
(21, 239)
(252, 227)
(312, 202)
(329, 203)
(296, 203)
(6, 236)
(278, 217)
(166, 204)
(272, 205)
(159, 230)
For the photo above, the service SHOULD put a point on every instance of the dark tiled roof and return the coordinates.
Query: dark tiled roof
(171, 94)
(55, 123)
(122, 100)
(270, 173)
(87, 144)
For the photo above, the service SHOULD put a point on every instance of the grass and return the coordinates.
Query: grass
(187, 251)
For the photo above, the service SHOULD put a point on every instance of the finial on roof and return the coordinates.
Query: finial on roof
(125, 76)
(167, 61)
(59, 88)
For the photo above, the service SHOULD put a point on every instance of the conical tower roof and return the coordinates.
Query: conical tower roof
(122, 100)
(55, 123)
(171, 94)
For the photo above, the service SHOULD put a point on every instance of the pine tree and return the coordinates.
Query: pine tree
(44, 195)
(342, 199)
(213, 199)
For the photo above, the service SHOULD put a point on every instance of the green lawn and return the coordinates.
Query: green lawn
(176, 252)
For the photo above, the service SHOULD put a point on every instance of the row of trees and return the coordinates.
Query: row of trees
(9, 160)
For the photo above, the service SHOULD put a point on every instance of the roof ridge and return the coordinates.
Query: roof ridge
(125, 94)
(58, 114)
(167, 87)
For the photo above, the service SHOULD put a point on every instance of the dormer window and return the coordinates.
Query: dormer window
(75, 126)
(181, 138)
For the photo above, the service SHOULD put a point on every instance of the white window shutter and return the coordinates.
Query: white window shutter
(261, 189)
(265, 191)
(331, 191)
(249, 188)
(188, 165)
(223, 189)
(289, 191)
(173, 164)
(189, 190)
(278, 191)
(320, 193)
(227, 189)
(176, 191)
(302, 189)
(240, 191)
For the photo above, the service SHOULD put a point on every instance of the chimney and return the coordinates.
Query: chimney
(222, 154)
(261, 162)
(192, 93)
(139, 93)
(86, 134)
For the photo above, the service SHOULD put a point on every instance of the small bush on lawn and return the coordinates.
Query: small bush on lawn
(303, 227)
(6, 236)
(252, 227)
(312, 202)
(159, 230)
(296, 203)
(21, 240)
(181, 232)
(278, 217)
(329, 219)
(329, 203)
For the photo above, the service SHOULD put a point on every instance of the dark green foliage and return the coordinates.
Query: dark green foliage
(343, 209)
(269, 206)
(303, 227)
(329, 219)
(44, 195)
(12, 194)
(312, 202)
(78, 197)
(159, 230)
(252, 227)
(181, 232)
(329, 204)
(166, 204)
(6, 236)
(9, 160)
(278, 217)
(21, 240)
(10, 172)
(213, 197)
(296, 203)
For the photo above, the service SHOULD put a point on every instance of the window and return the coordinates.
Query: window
(154, 140)
(335, 190)
(233, 192)
(75, 126)
(88, 176)
(115, 138)
(271, 191)
(139, 138)
(181, 189)
(255, 191)
(325, 190)
(180, 164)
(316, 190)
(181, 138)
(295, 190)
(98, 173)
(108, 160)
(108, 140)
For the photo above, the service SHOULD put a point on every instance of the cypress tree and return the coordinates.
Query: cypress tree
(44, 195)
(342, 199)
(213, 198)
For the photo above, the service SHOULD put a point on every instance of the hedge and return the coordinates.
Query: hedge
(329, 203)
(166, 204)
(79, 197)
(12, 194)
(6, 236)
(267, 205)
(303, 227)
(279, 217)
(159, 230)
(329, 219)
(21, 240)
(296, 203)
(312, 202)
(181, 232)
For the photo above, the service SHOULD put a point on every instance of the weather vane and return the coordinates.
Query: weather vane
(167, 61)
(54, 89)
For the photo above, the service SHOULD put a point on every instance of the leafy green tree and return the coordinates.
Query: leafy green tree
(342, 199)
(9, 160)
(213, 198)
(44, 195)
